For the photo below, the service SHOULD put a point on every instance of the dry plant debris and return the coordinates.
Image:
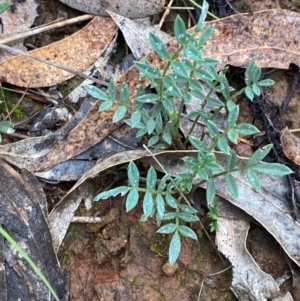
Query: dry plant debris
(129, 8)
(18, 18)
(290, 146)
(77, 51)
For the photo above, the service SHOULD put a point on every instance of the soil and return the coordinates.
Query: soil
(125, 259)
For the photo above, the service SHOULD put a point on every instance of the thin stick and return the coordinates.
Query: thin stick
(153, 156)
(166, 12)
(36, 58)
(200, 289)
(42, 28)
(179, 7)
(87, 219)
(217, 273)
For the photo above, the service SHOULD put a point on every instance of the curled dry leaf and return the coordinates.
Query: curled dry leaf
(130, 8)
(78, 52)
(290, 146)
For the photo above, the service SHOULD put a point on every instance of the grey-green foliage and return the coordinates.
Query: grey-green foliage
(184, 77)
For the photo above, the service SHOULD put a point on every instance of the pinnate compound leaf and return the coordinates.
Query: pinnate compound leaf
(147, 204)
(112, 192)
(124, 93)
(135, 119)
(171, 201)
(180, 30)
(254, 180)
(202, 17)
(197, 143)
(132, 199)
(275, 169)
(150, 125)
(212, 129)
(187, 217)
(188, 208)
(233, 116)
(151, 178)
(133, 174)
(147, 98)
(223, 145)
(160, 206)
(188, 232)
(232, 160)
(169, 215)
(96, 92)
(246, 129)
(174, 248)
(266, 83)
(167, 229)
(210, 192)
(158, 46)
(259, 155)
(249, 93)
(112, 90)
(180, 69)
(119, 113)
(232, 185)
(147, 70)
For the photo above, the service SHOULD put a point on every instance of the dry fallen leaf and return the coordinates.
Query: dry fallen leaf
(19, 18)
(77, 52)
(23, 213)
(137, 35)
(271, 37)
(290, 146)
(249, 282)
(130, 8)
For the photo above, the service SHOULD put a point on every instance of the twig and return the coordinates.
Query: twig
(153, 156)
(166, 12)
(200, 289)
(87, 219)
(34, 31)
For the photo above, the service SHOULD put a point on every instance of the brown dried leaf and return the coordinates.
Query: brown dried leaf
(130, 8)
(290, 146)
(18, 19)
(271, 37)
(77, 52)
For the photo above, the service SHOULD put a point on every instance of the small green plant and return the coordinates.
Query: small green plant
(185, 74)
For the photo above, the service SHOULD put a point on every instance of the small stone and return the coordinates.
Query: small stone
(170, 270)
